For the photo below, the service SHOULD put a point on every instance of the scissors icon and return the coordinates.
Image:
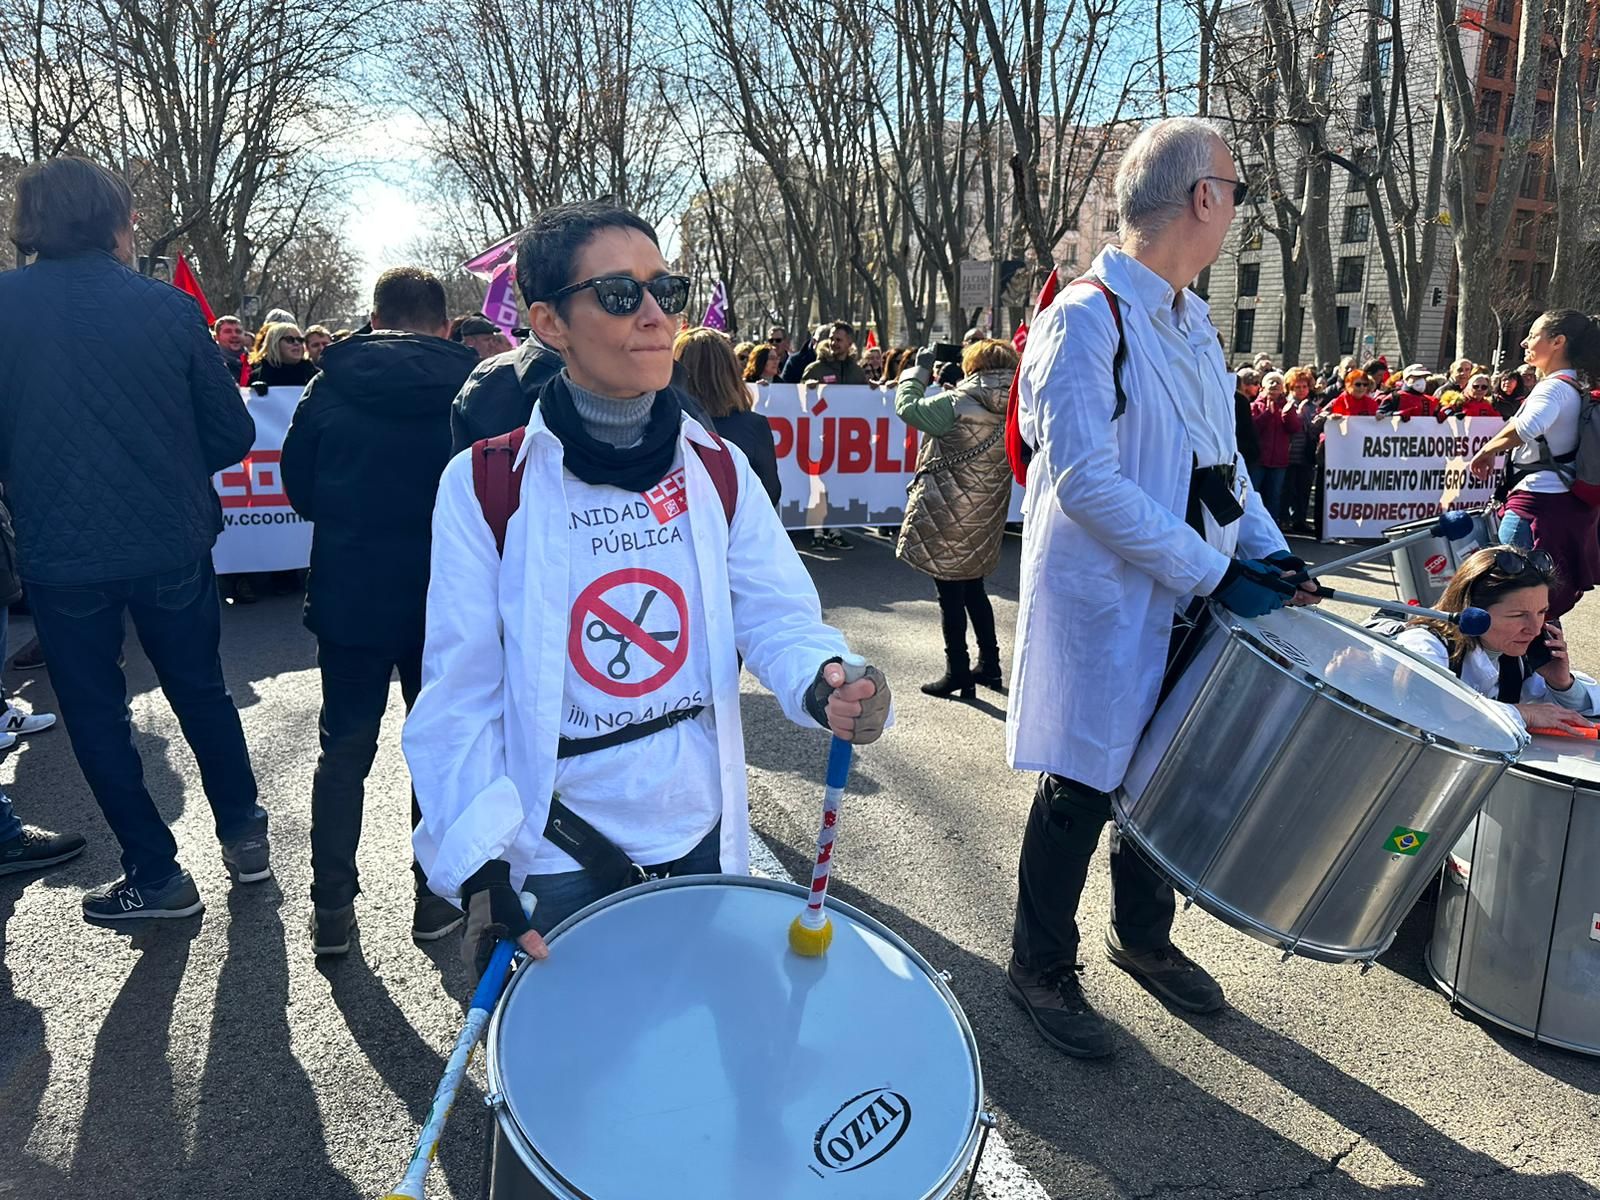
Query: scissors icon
(598, 631)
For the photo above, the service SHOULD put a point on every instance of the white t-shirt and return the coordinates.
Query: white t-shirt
(1551, 411)
(636, 649)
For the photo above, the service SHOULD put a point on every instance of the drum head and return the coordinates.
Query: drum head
(1372, 673)
(673, 1044)
(1574, 760)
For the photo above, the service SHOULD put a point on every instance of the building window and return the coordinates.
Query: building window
(1550, 185)
(1502, 11)
(1249, 279)
(1111, 222)
(1548, 61)
(1364, 118)
(1591, 78)
(1530, 177)
(1546, 239)
(1494, 59)
(1347, 333)
(1252, 236)
(1244, 330)
(1542, 112)
(1488, 111)
(1522, 230)
(1385, 56)
(1350, 270)
(1357, 223)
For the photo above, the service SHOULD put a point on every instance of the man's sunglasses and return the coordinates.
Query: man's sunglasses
(1512, 563)
(1241, 189)
(621, 295)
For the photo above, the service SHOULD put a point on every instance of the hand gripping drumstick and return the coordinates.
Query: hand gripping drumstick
(1451, 525)
(484, 999)
(811, 931)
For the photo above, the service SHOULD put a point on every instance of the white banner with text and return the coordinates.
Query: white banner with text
(844, 459)
(260, 532)
(1380, 471)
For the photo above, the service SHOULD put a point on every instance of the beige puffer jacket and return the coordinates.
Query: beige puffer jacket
(956, 514)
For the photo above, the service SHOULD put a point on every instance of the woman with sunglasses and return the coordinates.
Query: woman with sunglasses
(1521, 660)
(588, 664)
(1542, 509)
(1357, 399)
(281, 361)
(1476, 401)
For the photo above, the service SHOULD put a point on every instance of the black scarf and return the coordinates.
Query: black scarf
(636, 469)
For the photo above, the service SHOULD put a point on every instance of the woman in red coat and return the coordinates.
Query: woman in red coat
(1357, 399)
(1275, 420)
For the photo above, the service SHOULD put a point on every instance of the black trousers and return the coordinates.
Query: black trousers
(960, 599)
(1062, 835)
(355, 691)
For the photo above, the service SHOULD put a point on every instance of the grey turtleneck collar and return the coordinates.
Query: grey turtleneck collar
(615, 421)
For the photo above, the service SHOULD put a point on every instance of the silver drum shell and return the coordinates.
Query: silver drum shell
(1514, 931)
(1267, 797)
(1411, 574)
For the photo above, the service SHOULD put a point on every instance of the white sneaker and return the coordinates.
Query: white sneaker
(17, 723)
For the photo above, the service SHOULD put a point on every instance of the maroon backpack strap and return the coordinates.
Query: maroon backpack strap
(497, 480)
(718, 462)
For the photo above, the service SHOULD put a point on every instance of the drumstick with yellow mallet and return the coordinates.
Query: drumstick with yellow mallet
(811, 931)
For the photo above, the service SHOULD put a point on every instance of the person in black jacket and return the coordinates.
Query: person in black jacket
(282, 361)
(362, 460)
(498, 396)
(108, 475)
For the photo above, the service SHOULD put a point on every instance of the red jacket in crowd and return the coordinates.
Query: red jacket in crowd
(1403, 403)
(1275, 424)
(1346, 405)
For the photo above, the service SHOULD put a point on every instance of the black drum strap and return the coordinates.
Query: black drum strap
(1510, 691)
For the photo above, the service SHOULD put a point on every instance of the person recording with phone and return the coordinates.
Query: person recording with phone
(1521, 660)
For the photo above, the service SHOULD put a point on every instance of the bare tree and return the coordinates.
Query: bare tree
(1575, 277)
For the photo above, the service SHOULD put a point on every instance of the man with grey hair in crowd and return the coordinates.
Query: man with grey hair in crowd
(1137, 506)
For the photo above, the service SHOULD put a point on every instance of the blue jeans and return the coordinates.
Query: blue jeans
(1516, 531)
(9, 825)
(1268, 482)
(178, 619)
(564, 893)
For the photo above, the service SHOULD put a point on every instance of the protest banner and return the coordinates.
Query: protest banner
(844, 459)
(260, 532)
(1380, 471)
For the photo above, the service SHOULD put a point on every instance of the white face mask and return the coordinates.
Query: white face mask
(1416, 385)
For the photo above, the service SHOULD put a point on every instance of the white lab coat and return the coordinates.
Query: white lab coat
(1106, 554)
(481, 739)
(1481, 672)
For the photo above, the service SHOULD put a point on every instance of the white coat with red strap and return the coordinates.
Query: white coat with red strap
(481, 739)
(1107, 554)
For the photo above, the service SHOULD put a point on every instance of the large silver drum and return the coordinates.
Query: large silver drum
(1304, 779)
(1422, 570)
(673, 1045)
(1516, 936)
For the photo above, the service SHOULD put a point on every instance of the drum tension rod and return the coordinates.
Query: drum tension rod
(986, 1119)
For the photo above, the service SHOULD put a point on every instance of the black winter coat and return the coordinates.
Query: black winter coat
(362, 460)
(288, 375)
(752, 433)
(498, 396)
(115, 410)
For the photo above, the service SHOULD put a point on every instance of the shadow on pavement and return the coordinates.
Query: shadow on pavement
(24, 1073)
(410, 1066)
(1133, 1111)
(258, 1128)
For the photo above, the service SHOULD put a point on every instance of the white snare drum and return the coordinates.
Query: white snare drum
(1516, 936)
(672, 1044)
(1304, 779)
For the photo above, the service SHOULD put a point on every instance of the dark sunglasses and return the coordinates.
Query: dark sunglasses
(621, 295)
(293, 341)
(1512, 563)
(1241, 189)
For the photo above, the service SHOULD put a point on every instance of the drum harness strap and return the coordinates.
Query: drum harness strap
(497, 481)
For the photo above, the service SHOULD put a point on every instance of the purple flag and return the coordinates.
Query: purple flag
(717, 311)
(483, 263)
(500, 303)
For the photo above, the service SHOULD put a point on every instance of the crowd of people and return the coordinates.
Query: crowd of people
(578, 551)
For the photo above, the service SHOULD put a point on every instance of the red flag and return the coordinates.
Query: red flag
(1019, 339)
(872, 339)
(183, 279)
(1019, 452)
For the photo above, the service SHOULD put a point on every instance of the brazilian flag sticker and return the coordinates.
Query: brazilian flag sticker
(1405, 841)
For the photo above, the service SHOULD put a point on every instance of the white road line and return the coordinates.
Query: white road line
(1000, 1176)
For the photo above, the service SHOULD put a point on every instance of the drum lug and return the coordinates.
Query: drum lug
(946, 976)
(987, 1120)
(1318, 685)
(1428, 739)
(494, 1101)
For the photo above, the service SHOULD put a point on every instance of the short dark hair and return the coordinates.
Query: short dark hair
(846, 328)
(68, 205)
(776, 334)
(547, 248)
(409, 298)
(1583, 339)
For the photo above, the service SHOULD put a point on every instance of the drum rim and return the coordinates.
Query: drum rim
(547, 1174)
(1344, 699)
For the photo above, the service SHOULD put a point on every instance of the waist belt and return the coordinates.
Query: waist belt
(1211, 489)
(597, 854)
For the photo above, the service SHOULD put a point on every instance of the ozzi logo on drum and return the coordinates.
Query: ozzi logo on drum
(862, 1130)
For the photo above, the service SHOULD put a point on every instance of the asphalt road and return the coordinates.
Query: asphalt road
(214, 1058)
